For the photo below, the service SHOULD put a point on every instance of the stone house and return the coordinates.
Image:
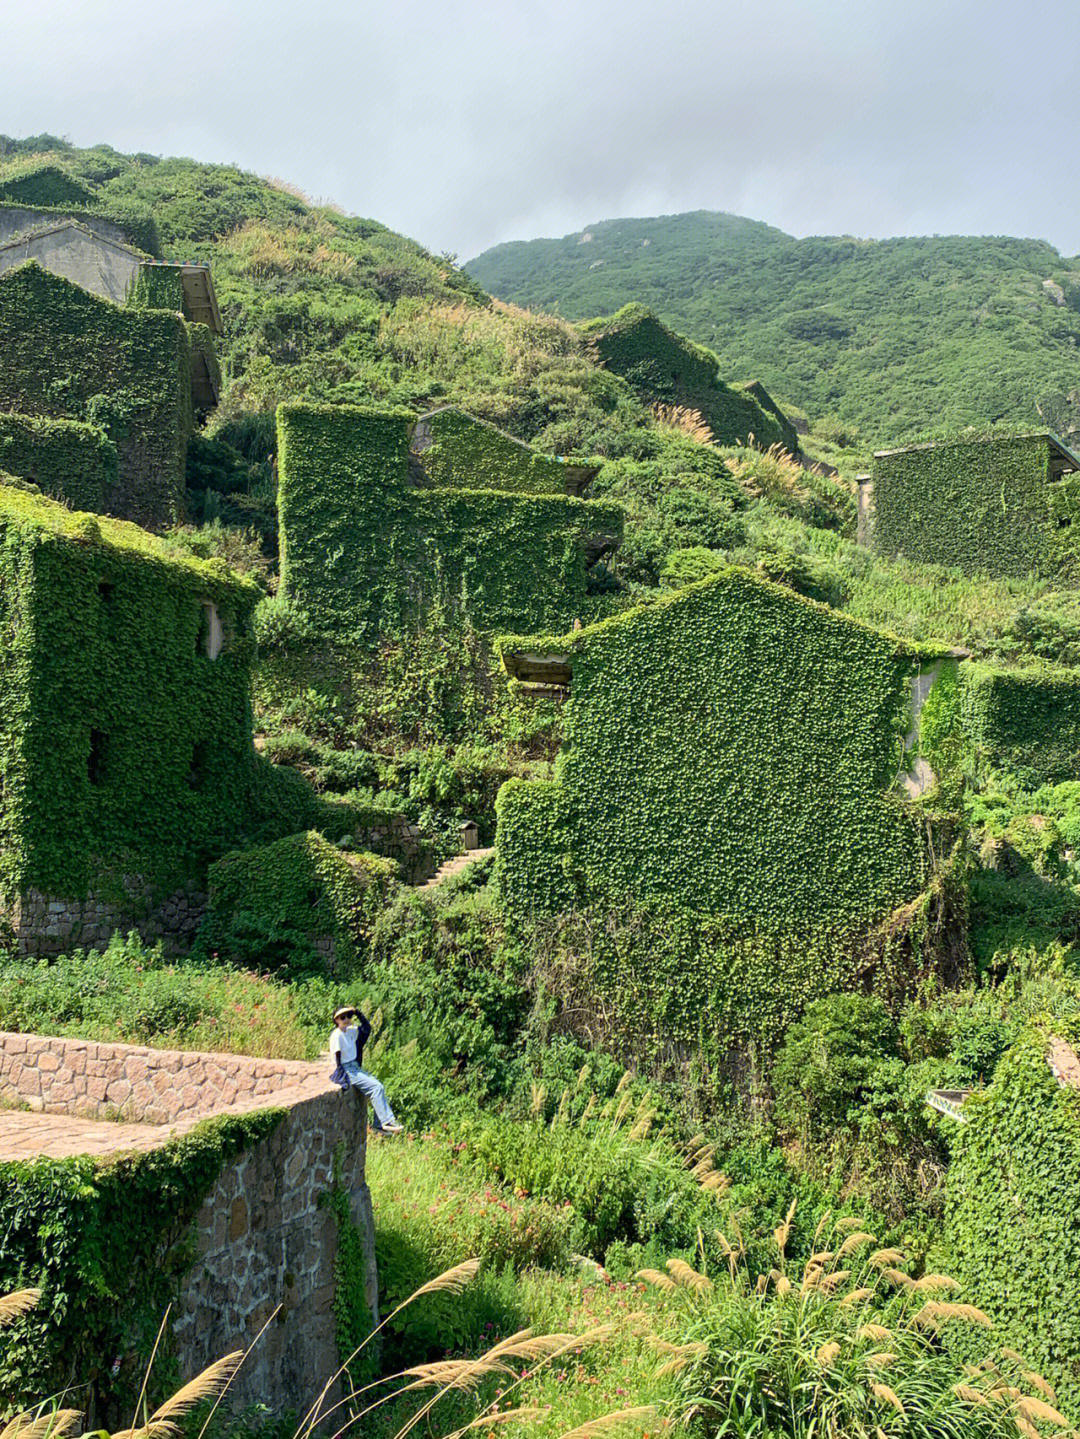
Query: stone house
(126, 758)
(385, 517)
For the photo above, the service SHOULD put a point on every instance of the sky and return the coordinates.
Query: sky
(468, 122)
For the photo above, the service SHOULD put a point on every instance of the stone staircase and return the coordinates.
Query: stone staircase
(456, 865)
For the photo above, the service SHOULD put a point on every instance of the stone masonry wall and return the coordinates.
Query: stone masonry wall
(264, 1236)
(48, 926)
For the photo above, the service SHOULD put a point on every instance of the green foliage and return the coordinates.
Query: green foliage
(303, 886)
(865, 329)
(157, 287)
(128, 751)
(67, 460)
(666, 368)
(352, 1316)
(795, 1357)
(985, 504)
(823, 1070)
(59, 1225)
(1026, 722)
(367, 556)
(43, 185)
(1011, 1215)
(69, 354)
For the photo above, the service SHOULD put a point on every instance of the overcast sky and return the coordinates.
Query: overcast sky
(468, 122)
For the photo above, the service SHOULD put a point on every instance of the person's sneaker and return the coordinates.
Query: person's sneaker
(394, 1128)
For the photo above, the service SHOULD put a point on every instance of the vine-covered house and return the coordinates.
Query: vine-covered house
(71, 355)
(383, 521)
(126, 757)
(749, 767)
(998, 503)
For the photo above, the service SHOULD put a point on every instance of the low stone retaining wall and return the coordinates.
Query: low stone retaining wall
(264, 1236)
(44, 925)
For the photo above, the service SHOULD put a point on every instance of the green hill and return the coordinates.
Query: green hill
(891, 336)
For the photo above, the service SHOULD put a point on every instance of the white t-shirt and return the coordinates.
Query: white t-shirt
(343, 1044)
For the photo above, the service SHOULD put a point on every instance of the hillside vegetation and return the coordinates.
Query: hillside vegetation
(891, 336)
(747, 1234)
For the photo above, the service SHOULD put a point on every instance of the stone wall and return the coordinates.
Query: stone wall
(264, 1236)
(42, 924)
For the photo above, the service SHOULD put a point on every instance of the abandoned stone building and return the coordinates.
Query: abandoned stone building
(137, 373)
(733, 750)
(383, 517)
(126, 758)
(112, 268)
(1002, 504)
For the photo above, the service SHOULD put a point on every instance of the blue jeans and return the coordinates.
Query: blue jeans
(372, 1087)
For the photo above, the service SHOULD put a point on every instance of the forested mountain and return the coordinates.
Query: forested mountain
(892, 336)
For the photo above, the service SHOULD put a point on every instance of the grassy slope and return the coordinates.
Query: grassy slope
(892, 335)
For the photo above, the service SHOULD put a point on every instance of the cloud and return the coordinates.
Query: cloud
(476, 122)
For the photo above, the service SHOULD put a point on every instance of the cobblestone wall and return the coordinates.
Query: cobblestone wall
(264, 1236)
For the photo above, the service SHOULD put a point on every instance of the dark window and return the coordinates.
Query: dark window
(95, 764)
(200, 764)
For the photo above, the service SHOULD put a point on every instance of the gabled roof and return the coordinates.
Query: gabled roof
(38, 232)
(576, 475)
(1056, 443)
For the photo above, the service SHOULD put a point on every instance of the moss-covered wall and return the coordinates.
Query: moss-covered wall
(67, 460)
(984, 505)
(757, 392)
(367, 555)
(70, 355)
(1013, 1200)
(1024, 722)
(728, 751)
(124, 748)
(666, 368)
(458, 452)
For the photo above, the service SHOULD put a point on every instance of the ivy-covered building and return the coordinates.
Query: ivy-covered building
(380, 526)
(126, 759)
(736, 756)
(1003, 504)
(666, 368)
(68, 354)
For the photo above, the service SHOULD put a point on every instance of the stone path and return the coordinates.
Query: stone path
(456, 865)
(26, 1135)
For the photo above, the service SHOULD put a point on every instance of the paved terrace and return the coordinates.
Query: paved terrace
(72, 1096)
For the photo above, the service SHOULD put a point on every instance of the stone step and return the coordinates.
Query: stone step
(456, 865)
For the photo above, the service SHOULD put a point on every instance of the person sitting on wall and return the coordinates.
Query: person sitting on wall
(347, 1047)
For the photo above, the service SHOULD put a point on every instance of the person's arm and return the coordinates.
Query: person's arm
(363, 1030)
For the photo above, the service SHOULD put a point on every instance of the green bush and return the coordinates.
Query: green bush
(825, 1067)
